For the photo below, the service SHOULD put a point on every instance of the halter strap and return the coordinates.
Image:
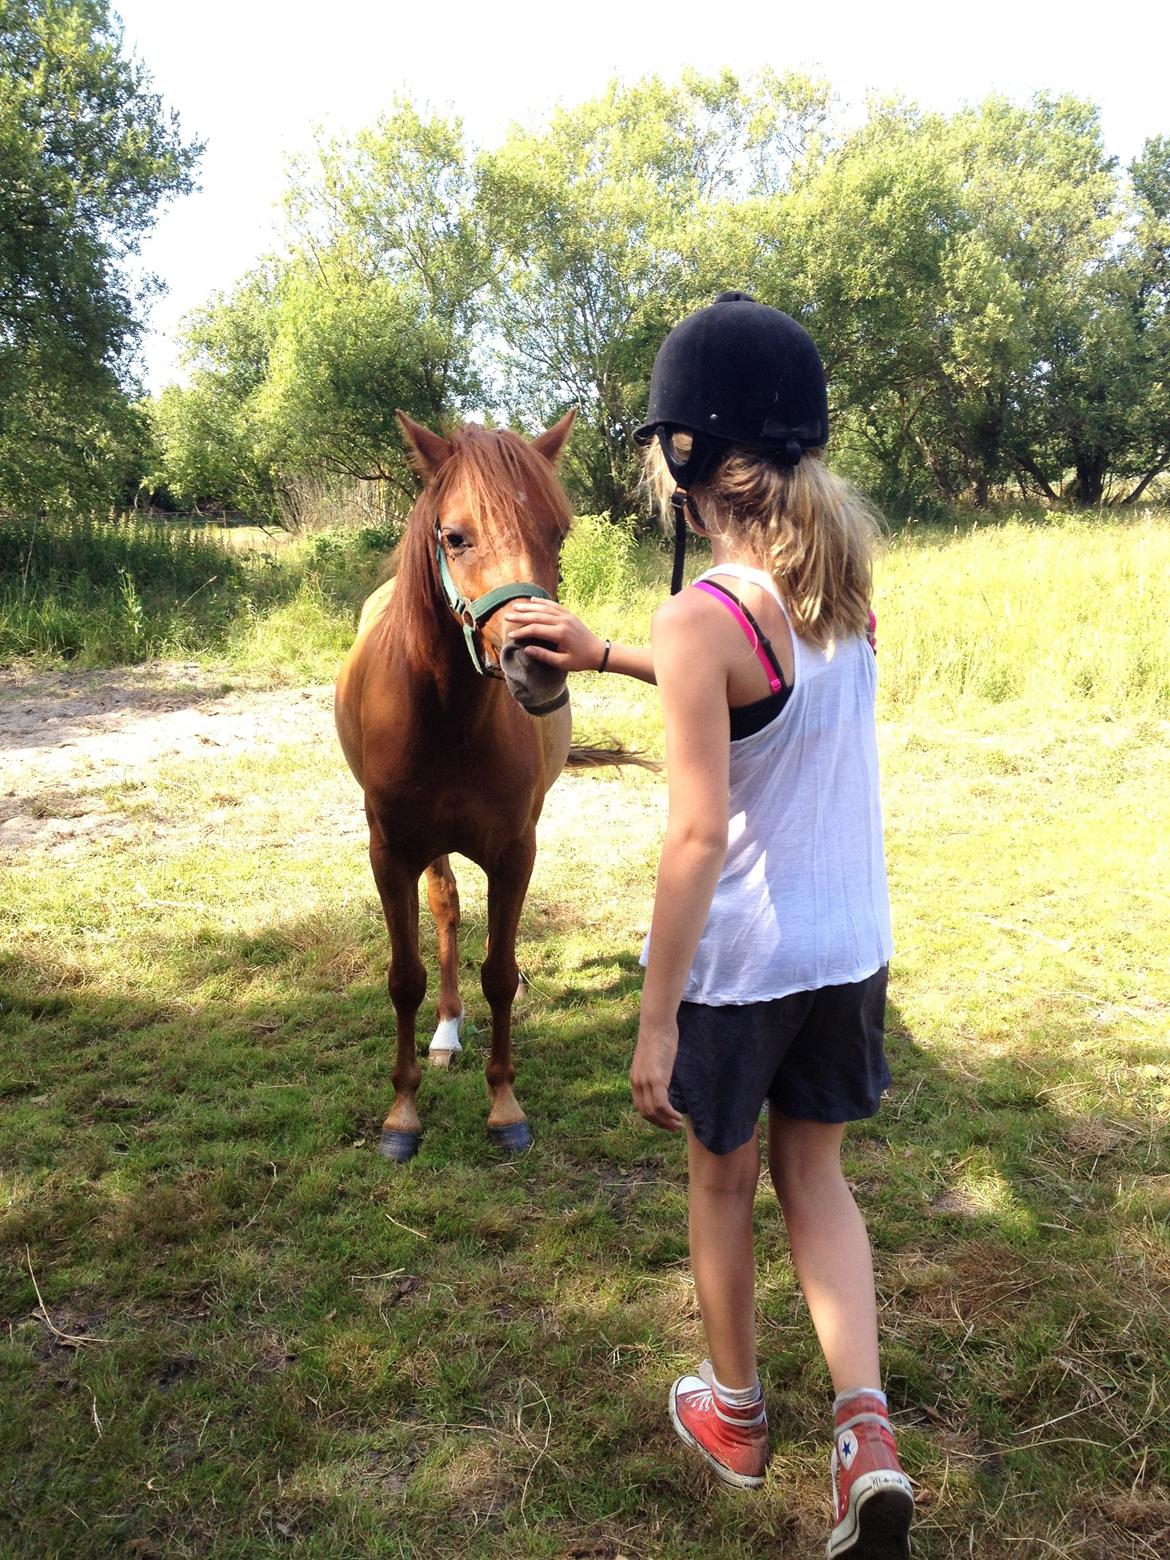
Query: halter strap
(473, 614)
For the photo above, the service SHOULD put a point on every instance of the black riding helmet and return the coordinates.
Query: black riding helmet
(736, 372)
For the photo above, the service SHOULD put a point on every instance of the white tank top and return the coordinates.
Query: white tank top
(802, 900)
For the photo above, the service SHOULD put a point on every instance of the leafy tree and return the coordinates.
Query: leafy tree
(1149, 271)
(215, 450)
(372, 307)
(87, 153)
(1105, 407)
(398, 206)
(942, 262)
(601, 221)
(1041, 193)
(856, 252)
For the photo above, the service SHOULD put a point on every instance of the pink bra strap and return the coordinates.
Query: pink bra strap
(737, 613)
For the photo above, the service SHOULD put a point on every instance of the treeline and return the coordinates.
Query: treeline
(990, 290)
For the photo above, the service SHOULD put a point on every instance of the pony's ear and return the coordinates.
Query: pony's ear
(551, 443)
(427, 450)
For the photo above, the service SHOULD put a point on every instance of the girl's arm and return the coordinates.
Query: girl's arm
(565, 642)
(690, 659)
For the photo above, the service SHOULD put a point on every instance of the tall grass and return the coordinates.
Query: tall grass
(1057, 614)
(100, 591)
(1051, 614)
(1066, 613)
(39, 555)
(599, 562)
(299, 639)
(105, 592)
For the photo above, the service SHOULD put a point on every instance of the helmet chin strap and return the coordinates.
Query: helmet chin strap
(704, 454)
(683, 504)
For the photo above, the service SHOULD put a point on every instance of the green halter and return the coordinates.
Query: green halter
(473, 614)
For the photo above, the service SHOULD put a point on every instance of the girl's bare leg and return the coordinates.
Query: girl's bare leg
(723, 1258)
(830, 1246)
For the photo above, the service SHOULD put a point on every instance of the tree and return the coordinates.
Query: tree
(372, 307)
(855, 251)
(215, 448)
(87, 153)
(600, 220)
(942, 262)
(1104, 409)
(1041, 193)
(1149, 271)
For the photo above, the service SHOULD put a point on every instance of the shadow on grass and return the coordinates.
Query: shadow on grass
(249, 1314)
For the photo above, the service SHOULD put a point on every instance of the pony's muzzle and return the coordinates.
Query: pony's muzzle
(536, 686)
(515, 653)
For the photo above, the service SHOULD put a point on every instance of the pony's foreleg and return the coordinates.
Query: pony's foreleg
(500, 974)
(443, 897)
(407, 982)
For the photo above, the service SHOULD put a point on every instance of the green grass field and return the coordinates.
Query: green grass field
(227, 1328)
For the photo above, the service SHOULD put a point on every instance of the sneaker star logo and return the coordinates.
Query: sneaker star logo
(847, 1449)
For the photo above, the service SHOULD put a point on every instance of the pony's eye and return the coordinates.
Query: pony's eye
(455, 540)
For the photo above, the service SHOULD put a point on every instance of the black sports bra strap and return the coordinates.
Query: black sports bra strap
(765, 642)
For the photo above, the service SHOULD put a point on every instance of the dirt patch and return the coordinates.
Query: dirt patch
(64, 738)
(68, 739)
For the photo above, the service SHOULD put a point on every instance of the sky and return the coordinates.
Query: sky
(256, 79)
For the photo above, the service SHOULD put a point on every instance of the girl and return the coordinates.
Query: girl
(766, 960)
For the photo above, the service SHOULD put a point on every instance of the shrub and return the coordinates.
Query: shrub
(599, 561)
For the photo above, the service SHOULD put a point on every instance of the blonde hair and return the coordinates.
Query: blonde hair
(812, 532)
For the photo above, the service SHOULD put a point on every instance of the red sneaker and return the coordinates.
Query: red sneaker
(733, 1440)
(873, 1500)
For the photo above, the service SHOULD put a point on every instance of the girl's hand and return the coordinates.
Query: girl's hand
(550, 633)
(650, 1075)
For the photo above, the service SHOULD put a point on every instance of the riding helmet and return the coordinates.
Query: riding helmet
(737, 372)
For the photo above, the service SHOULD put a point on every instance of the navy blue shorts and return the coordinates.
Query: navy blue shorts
(814, 1055)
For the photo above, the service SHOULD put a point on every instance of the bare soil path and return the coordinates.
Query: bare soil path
(68, 740)
(66, 736)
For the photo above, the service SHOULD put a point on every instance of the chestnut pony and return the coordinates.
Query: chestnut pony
(455, 734)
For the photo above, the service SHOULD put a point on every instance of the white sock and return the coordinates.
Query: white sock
(843, 1397)
(737, 1397)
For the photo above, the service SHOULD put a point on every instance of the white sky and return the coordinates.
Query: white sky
(252, 78)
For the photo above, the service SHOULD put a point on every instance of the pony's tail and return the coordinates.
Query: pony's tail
(609, 753)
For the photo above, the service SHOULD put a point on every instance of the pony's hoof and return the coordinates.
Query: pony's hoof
(441, 1057)
(515, 1138)
(398, 1146)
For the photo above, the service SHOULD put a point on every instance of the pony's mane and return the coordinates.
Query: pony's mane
(513, 493)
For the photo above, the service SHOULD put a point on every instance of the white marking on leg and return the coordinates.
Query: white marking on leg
(447, 1035)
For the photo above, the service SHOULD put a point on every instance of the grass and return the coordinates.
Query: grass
(1050, 615)
(97, 593)
(258, 1338)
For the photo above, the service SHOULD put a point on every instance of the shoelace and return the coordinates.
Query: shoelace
(729, 1412)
